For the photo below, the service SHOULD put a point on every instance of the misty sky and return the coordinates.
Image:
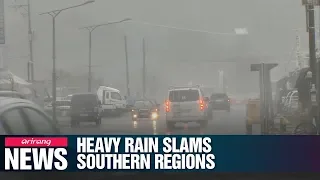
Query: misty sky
(269, 22)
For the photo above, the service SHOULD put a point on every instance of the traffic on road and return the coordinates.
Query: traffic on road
(186, 111)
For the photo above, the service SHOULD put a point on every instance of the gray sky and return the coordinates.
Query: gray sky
(269, 22)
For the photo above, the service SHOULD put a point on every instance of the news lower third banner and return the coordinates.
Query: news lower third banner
(161, 153)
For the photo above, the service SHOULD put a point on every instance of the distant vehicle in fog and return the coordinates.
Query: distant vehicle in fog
(145, 109)
(85, 107)
(220, 101)
(112, 101)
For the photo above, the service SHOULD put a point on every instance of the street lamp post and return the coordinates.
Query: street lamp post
(30, 64)
(54, 14)
(90, 29)
(127, 65)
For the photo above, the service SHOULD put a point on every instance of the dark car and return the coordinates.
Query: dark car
(85, 107)
(145, 109)
(23, 117)
(220, 101)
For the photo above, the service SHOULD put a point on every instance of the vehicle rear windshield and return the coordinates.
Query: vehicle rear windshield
(142, 104)
(219, 96)
(183, 95)
(84, 100)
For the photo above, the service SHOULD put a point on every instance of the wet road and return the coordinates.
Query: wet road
(222, 123)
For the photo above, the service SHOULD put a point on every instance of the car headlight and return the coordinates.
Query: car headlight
(154, 115)
(135, 116)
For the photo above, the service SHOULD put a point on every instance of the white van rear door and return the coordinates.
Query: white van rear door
(184, 102)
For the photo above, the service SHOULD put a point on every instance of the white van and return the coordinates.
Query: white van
(111, 99)
(186, 104)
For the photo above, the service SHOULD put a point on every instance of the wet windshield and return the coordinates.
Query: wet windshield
(184, 95)
(143, 104)
(219, 96)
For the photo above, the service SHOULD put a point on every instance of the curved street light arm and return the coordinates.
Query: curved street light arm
(93, 27)
(56, 12)
(185, 29)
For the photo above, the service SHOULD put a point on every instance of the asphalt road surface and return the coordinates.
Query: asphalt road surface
(223, 123)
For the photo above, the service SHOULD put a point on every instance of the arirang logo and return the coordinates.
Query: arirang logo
(33, 153)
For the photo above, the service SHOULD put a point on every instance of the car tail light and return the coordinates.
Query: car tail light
(167, 104)
(201, 104)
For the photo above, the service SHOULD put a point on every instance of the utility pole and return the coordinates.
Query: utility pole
(312, 43)
(90, 62)
(314, 66)
(127, 65)
(30, 36)
(312, 56)
(30, 63)
(222, 81)
(144, 69)
(53, 15)
(220, 72)
(90, 29)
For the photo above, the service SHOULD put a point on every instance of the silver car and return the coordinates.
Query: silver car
(23, 117)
